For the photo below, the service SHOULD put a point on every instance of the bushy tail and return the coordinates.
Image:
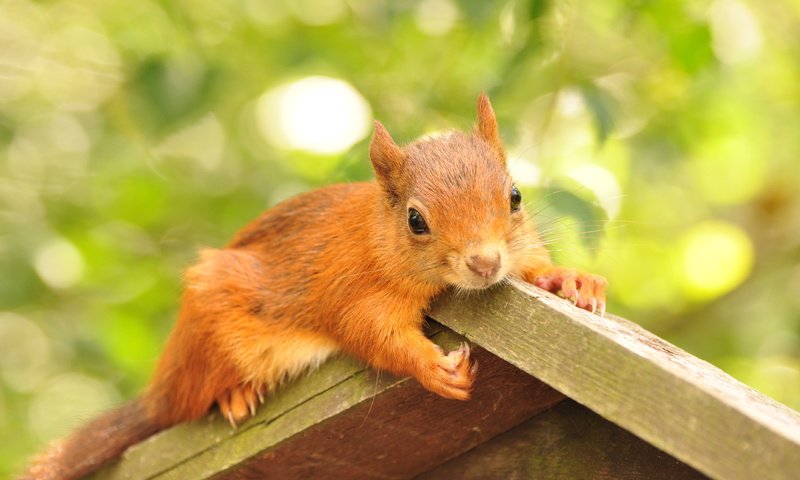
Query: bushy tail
(95, 444)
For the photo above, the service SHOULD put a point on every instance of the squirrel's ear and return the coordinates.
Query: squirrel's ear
(388, 160)
(487, 128)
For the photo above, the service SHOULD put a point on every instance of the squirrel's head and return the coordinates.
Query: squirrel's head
(455, 210)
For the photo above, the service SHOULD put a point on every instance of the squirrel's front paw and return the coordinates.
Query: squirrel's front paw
(451, 375)
(237, 404)
(586, 290)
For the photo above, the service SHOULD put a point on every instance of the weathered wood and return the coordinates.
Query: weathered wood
(182, 443)
(405, 430)
(567, 442)
(678, 403)
(345, 422)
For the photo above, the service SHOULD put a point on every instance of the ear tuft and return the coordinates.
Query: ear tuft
(388, 160)
(487, 128)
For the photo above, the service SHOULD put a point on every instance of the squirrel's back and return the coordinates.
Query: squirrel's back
(310, 216)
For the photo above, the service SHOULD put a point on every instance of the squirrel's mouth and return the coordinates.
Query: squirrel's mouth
(477, 271)
(471, 281)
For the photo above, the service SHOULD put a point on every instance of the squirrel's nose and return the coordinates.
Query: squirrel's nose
(483, 265)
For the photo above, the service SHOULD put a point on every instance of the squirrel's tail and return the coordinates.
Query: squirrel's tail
(94, 444)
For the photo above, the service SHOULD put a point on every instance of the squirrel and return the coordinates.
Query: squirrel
(346, 268)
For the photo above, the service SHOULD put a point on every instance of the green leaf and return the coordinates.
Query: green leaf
(600, 105)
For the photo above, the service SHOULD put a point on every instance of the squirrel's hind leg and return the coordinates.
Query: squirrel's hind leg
(240, 311)
(239, 403)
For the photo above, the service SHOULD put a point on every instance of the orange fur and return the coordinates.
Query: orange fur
(338, 269)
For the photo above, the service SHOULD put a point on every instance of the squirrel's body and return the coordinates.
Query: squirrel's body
(344, 268)
(246, 304)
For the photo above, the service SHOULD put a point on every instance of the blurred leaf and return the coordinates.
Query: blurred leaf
(692, 47)
(563, 205)
(166, 91)
(537, 8)
(600, 105)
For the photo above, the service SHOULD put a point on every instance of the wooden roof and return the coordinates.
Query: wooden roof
(560, 393)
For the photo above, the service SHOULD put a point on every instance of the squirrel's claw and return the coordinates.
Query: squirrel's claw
(238, 404)
(584, 290)
(251, 404)
(260, 393)
(225, 408)
(452, 375)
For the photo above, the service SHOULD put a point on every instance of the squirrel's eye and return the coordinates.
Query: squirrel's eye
(515, 199)
(416, 223)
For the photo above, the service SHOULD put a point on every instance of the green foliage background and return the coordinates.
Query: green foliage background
(692, 107)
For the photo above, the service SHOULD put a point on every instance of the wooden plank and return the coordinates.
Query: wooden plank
(348, 423)
(678, 403)
(183, 442)
(405, 431)
(569, 441)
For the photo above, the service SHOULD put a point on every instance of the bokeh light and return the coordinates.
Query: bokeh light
(317, 114)
(24, 352)
(523, 171)
(59, 263)
(436, 17)
(717, 257)
(318, 12)
(735, 31)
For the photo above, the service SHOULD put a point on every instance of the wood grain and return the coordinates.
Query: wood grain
(567, 442)
(678, 403)
(404, 431)
(345, 421)
(184, 442)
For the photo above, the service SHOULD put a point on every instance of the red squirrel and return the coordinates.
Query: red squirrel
(347, 268)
